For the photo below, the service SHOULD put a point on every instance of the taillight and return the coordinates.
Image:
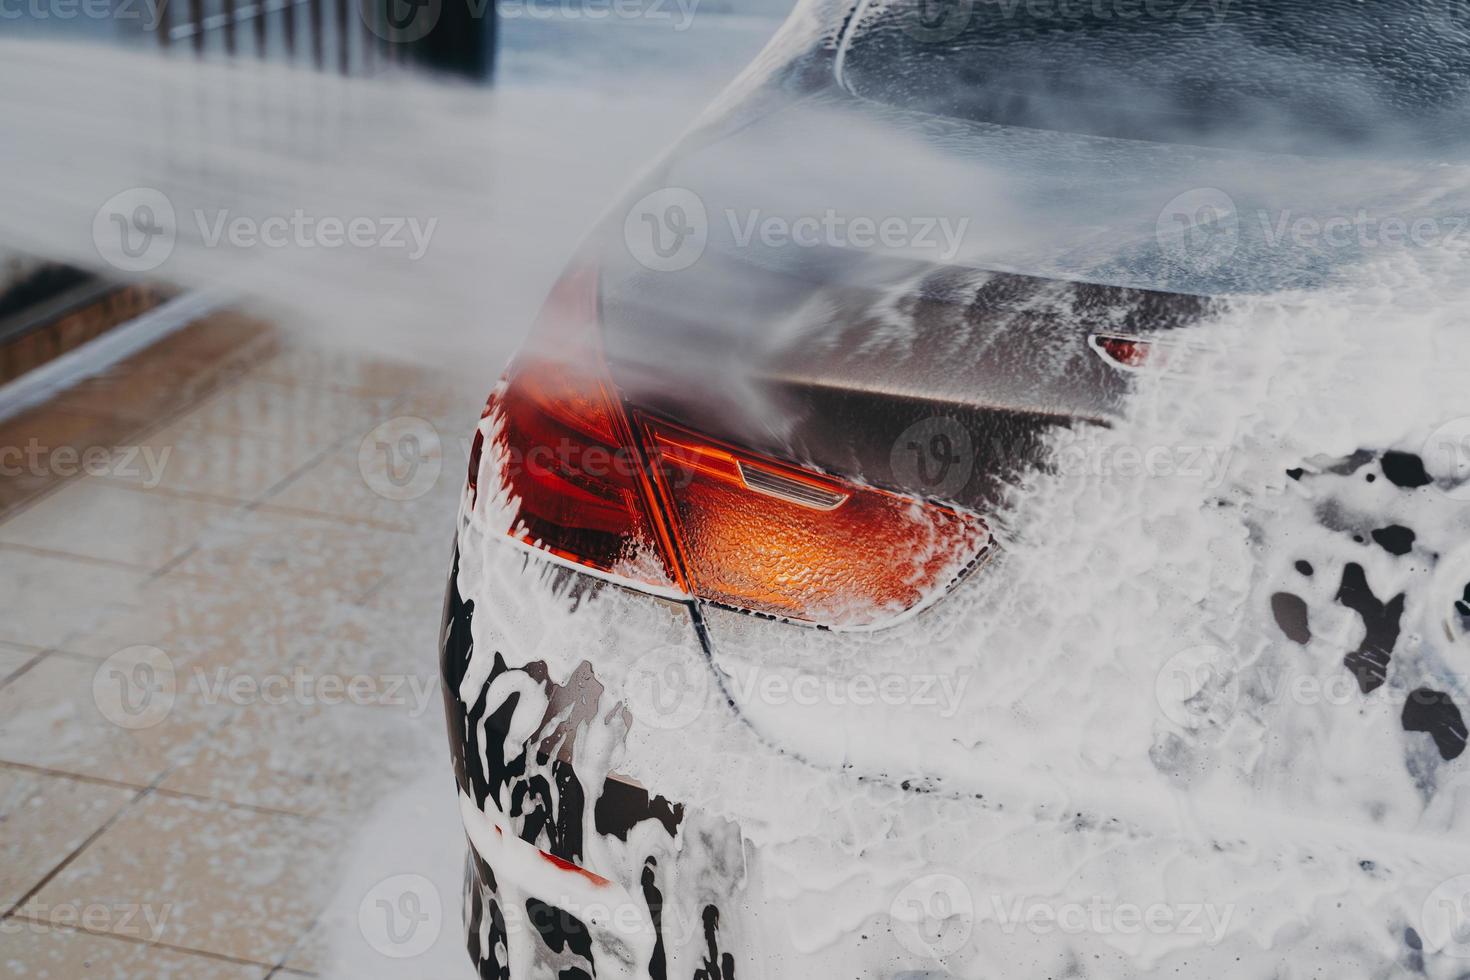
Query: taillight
(762, 535)
(1128, 352)
(644, 499)
(564, 452)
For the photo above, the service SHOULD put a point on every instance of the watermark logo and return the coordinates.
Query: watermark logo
(149, 13)
(666, 689)
(401, 916)
(1199, 229)
(679, 12)
(307, 688)
(668, 230)
(1445, 918)
(933, 916)
(940, 694)
(942, 236)
(1363, 229)
(143, 921)
(135, 687)
(142, 463)
(139, 229)
(934, 456)
(401, 459)
(1106, 916)
(936, 21)
(300, 230)
(1446, 455)
(139, 686)
(1196, 687)
(135, 230)
(1086, 456)
(401, 21)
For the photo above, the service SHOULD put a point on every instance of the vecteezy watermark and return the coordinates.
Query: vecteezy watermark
(1202, 229)
(936, 693)
(667, 689)
(407, 21)
(148, 13)
(1079, 455)
(1199, 229)
(401, 917)
(139, 686)
(935, 456)
(401, 459)
(934, 21)
(1445, 918)
(831, 228)
(669, 230)
(679, 13)
(1446, 456)
(1103, 916)
(933, 916)
(302, 230)
(138, 230)
(1202, 687)
(1363, 229)
(307, 688)
(1197, 687)
(143, 921)
(135, 230)
(143, 463)
(135, 687)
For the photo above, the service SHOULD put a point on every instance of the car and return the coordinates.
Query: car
(952, 517)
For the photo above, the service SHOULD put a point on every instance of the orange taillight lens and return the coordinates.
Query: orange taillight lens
(765, 536)
(646, 500)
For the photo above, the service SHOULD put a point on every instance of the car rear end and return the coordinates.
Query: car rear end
(759, 652)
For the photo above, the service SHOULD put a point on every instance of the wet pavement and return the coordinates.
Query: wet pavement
(217, 658)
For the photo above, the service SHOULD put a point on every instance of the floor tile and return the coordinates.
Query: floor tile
(235, 466)
(293, 561)
(345, 371)
(95, 518)
(43, 819)
(405, 474)
(174, 373)
(36, 951)
(202, 621)
(51, 597)
(128, 719)
(312, 954)
(13, 659)
(307, 416)
(234, 882)
(42, 448)
(315, 742)
(454, 406)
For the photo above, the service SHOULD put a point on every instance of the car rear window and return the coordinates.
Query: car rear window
(1293, 76)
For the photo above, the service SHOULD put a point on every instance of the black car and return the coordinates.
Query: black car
(900, 550)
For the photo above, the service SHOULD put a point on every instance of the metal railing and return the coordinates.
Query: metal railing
(351, 37)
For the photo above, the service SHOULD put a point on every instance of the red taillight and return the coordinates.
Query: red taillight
(564, 453)
(644, 499)
(1128, 352)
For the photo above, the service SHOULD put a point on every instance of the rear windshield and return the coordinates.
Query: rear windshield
(1294, 76)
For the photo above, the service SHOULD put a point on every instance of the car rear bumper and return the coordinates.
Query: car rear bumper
(620, 831)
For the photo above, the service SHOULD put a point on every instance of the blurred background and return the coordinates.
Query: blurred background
(260, 263)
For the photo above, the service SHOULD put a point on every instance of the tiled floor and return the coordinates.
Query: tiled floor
(181, 760)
